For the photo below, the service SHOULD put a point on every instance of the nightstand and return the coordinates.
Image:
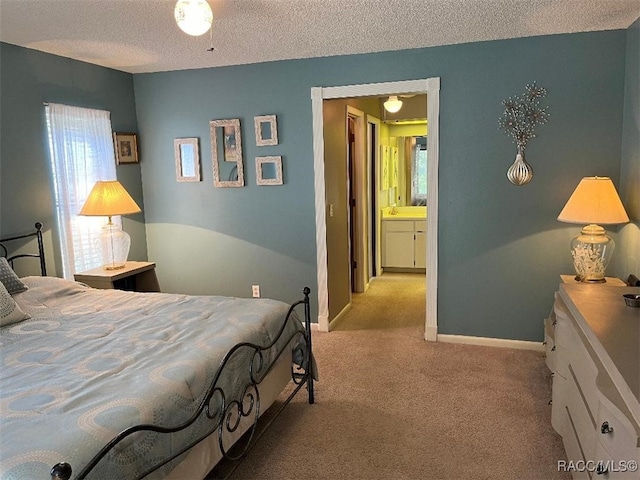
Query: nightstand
(135, 276)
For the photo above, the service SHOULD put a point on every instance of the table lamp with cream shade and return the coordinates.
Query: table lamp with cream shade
(595, 201)
(109, 198)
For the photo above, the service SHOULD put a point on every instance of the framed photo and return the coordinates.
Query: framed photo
(269, 170)
(187, 159)
(266, 128)
(126, 147)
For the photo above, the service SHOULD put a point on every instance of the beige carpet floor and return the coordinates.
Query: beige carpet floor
(391, 406)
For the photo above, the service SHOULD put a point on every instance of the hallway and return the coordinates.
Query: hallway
(393, 301)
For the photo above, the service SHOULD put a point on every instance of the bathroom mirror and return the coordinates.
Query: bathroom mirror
(226, 153)
(187, 159)
(269, 170)
(408, 171)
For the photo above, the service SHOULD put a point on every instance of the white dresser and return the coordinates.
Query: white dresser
(593, 348)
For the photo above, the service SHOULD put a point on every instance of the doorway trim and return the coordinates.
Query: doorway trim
(359, 215)
(430, 87)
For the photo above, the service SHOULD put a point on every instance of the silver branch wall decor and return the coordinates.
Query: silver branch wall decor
(519, 119)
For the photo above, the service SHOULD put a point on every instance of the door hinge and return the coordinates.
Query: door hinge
(354, 264)
(352, 202)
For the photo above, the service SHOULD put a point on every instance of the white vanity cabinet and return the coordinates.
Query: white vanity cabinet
(404, 243)
(596, 381)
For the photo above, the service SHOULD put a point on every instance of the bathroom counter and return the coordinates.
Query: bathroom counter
(404, 213)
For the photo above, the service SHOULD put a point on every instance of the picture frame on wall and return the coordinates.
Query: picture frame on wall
(226, 153)
(126, 148)
(269, 170)
(266, 128)
(187, 158)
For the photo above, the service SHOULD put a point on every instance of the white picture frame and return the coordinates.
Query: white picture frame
(266, 129)
(226, 153)
(187, 158)
(269, 170)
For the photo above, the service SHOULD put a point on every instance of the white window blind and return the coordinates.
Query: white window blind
(81, 151)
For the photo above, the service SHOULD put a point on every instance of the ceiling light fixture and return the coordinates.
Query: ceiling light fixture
(393, 104)
(194, 17)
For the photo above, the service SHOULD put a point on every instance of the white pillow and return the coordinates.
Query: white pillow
(10, 312)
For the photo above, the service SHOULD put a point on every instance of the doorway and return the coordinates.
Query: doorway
(430, 87)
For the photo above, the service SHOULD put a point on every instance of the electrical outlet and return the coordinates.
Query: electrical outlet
(255, 291)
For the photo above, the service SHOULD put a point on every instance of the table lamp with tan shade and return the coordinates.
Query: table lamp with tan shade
(595, 201)
(109, 198)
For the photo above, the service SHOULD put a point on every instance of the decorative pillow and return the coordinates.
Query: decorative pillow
(10, 312)
(9, 279)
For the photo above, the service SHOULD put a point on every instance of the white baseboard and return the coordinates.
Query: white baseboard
(492, 342)
(323, 323)
(339, 317)
(431, 334)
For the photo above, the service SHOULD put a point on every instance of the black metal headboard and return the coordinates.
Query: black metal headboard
(4, 252)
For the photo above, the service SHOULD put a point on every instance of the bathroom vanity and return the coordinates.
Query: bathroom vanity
(404, 238)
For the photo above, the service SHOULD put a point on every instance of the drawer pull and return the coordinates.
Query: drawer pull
(606, 428)
(553, 349)
(544, 343)
(554, 322)
(601, 469)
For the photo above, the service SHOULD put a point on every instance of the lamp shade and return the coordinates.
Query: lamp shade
(108, 198)
(595, 200)
(194, 17)
(392, 105)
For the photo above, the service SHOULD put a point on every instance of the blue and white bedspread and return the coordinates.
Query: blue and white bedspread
(90, 363)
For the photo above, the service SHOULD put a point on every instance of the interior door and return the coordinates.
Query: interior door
(353, 244)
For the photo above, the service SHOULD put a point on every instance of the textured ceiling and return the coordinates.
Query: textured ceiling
(141, 36)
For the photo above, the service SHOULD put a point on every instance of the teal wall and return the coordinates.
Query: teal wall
(627, 255)
(29, 78)
(501, 248)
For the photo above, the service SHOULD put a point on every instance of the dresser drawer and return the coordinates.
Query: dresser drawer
(583, 420)
(580, 366)
(559, 420)
(620, 438)
(607, 466)
(573, 449)
(549, 352)
(550, 342)
(564, 341)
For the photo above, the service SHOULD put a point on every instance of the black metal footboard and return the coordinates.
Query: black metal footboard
(225, 410)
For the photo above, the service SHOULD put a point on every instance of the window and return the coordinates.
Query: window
(419, 172)
(81, 152)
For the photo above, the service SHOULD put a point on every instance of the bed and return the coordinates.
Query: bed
(114, 384)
